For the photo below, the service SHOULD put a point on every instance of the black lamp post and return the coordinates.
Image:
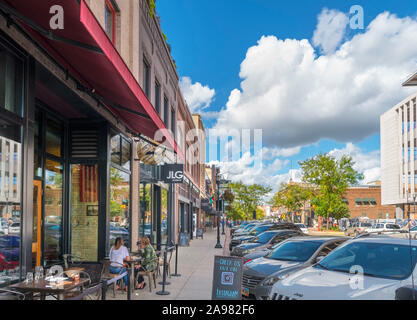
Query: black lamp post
(219, 207)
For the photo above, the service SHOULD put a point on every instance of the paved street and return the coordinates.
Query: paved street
(195, 265)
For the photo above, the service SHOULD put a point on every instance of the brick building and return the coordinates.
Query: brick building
(365, 201)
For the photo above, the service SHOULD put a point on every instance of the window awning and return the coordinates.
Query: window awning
(357, 200)
(365, 200)
(83, 48)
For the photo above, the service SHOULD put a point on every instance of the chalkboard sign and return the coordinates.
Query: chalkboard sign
(184, 240)
(227, 278)
(199, 233)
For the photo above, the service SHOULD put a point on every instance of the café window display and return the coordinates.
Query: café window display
(11, 155)
(48, 183)
(120, 176)
(145, 210)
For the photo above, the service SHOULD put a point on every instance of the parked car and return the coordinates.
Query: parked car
(259, 229)
(357, 228)
(302, 227)
(245, 229)
(265, 240)
(14, 228)
(259, 275)
(378, 227)
(382, 264)
(118, 232)
(9, 252)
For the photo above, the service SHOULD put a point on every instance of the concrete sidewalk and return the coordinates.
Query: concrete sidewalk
(195, 264)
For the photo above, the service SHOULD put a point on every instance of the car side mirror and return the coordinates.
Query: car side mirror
(406, 293)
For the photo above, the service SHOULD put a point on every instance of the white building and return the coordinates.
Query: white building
(399, 154)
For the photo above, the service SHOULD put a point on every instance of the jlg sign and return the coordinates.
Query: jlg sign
(173, 173)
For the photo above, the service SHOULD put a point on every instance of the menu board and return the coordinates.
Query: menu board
(227, 278)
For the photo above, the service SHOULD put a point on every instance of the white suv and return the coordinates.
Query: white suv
(366, 268)
(378, 227)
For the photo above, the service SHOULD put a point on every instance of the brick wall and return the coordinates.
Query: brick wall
(372, 211)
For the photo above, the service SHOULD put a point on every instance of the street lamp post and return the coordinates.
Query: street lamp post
(218, 206)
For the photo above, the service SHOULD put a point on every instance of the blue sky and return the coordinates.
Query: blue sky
(210, 40)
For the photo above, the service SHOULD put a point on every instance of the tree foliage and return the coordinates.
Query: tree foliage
(331, 177)
(246, 199)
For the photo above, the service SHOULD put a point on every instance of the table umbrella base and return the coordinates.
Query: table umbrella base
(162, 293)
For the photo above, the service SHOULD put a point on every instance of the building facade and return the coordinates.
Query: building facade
(399, 154)
(84, 111)
(365, 201)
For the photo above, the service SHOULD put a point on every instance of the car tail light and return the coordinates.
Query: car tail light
(247, 260)
(2, 257)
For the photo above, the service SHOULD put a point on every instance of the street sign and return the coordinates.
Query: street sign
(227, 278)
(173, 173)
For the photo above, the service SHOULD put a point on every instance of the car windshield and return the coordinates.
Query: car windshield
(263, 237)
(258, 230)
(300, 225)
(390, 261)
(294, 250)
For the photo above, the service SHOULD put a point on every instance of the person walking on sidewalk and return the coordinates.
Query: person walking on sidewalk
(149, 262)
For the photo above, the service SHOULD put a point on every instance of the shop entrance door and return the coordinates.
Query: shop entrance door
(37, 223)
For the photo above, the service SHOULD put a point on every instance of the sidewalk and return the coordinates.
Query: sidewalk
(195, 265)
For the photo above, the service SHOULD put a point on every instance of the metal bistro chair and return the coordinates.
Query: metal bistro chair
(150, 274)
(7, 294)
(106, 275)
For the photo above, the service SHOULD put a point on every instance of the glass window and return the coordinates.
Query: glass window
(119, 205)
(263, 237)
(157, 96)
(10, 201)
(126, 154)
(11, 83)
(145, 210)
(37, 168)
(53, 212)
(110, 21)
(84, 211)
(166, 115)
(115, 149)
(173, 122)
(295, 250)
(378, 260)
(53, 137)
(146, 77)
(164, 216)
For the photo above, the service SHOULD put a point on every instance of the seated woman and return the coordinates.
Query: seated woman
(118, 254)
(149, 262)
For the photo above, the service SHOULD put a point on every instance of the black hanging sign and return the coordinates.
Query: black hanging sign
(173, 173)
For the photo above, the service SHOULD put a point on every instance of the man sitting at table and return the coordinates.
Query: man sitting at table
(149, 260)
(119, 253)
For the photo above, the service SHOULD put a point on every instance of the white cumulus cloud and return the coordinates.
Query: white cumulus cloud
(198, 97)
(330, 30)
(299, 97)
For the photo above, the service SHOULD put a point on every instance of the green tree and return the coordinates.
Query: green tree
(331, 177)
(291, 196)
(247, 198)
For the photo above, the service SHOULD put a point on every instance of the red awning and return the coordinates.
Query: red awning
(83, 47)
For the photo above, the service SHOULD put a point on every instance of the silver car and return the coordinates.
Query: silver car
(261, 274)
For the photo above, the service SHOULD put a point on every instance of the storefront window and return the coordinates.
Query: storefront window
(145, 210)
(119, 205)
(84, 211)
(115, 149)
(11, 82)
(125, 154)
(53, 212)
(164, 215)
(10, 201)
(53, 137)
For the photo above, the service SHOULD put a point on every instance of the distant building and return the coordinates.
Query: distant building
(365, 201)
(399, 152)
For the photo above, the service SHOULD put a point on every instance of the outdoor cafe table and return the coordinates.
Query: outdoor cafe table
(45, 287)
